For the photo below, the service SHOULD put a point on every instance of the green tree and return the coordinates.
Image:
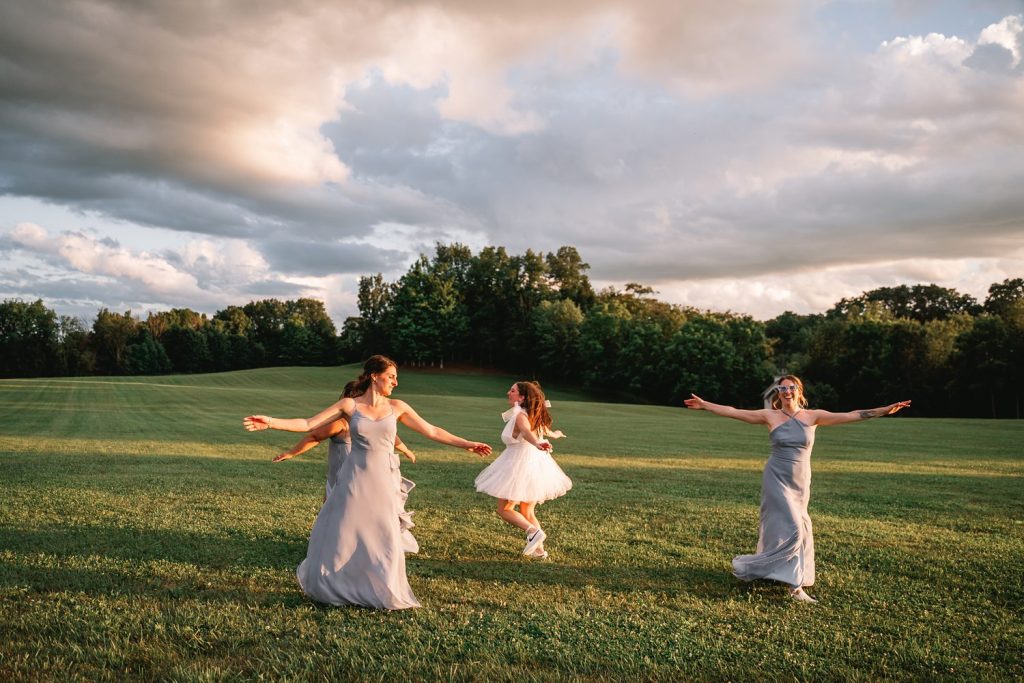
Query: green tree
(367, 334)
(920, 302)
(567, 275)
(492, 305)
(601, 335)
(790, 334)
(74, 354)
(28, 339)
(1006, 299)
(111, 334)
(556, 333)
(267, 317)
(145, 355)
(982, 367)
(187, 349)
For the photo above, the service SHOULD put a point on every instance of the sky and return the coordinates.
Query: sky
(747, 156)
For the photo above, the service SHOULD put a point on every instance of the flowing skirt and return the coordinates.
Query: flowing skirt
(785, 544)
(523, 473)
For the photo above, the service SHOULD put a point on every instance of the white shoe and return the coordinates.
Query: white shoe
(539, 553)
(799, 595)
(533, 540)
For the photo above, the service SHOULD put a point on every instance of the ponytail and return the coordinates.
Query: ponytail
(374, 365)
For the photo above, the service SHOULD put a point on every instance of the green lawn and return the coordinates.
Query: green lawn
(145, 535)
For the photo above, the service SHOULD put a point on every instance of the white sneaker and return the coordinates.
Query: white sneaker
(533, 540)
(799, 595)
(539, 553)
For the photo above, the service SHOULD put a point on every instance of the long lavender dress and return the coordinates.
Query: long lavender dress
(356, 554)
(338, 448)
(785, 546)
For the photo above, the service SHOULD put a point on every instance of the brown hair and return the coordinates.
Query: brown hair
(374, 365)
(533, 404)
(801, 400)
(350, 390)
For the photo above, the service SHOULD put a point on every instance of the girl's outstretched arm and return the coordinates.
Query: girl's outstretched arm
(754, 417)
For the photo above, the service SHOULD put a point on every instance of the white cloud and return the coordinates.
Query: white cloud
(85, 254)
(804, 292)
(1008, 33)
(668, 140)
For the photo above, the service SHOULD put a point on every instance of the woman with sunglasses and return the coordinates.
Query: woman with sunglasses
(785, 545)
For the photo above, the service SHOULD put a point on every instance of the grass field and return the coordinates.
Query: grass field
(145, 535)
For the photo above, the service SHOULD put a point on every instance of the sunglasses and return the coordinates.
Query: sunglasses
(787, 390)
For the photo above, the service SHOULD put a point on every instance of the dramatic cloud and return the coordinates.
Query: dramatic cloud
(723, 152)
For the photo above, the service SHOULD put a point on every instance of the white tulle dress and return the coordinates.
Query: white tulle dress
(522, 472)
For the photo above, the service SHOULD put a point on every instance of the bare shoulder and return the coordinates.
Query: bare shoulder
(400, 407)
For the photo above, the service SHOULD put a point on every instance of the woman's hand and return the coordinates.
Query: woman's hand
(695, 402)
(896, 407)
(256, 423)
(544, 445)
(284, 456)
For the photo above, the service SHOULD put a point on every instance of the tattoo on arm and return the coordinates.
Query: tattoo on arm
(868, 414)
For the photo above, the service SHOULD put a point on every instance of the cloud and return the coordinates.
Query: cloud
(292, 147)
(804, 292)
(295, 257)
(86, 254)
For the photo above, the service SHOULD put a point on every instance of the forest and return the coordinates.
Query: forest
(537, 314)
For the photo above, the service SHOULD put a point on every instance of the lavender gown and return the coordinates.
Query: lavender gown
(338, 448)
(356, 553)
(785, 546)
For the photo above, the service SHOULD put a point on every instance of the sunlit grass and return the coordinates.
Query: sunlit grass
(146, 535)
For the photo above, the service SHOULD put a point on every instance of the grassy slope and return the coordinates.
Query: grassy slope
(144, 533)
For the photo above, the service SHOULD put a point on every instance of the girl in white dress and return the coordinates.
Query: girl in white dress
(525, 474)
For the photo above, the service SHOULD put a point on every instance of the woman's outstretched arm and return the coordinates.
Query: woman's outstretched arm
(312, 439)
(824, 417)
(754, 417)
(408, 417)
(342, 408)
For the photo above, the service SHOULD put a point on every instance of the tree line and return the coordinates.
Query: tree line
(36, 342)
(537, 314)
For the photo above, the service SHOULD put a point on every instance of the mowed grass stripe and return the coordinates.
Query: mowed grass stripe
(147, 536)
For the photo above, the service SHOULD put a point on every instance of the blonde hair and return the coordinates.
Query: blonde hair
(801, 400)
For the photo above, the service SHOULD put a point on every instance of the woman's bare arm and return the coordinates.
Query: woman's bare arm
(408, 417)
(342, 408)
(824, 417)
(313, 438)
(755, 417)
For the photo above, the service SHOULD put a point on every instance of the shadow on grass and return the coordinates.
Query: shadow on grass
(204, 564)
(158, 545)
(698, 581)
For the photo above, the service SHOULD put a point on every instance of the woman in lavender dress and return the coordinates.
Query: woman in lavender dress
(356, 554)
(785, 545)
